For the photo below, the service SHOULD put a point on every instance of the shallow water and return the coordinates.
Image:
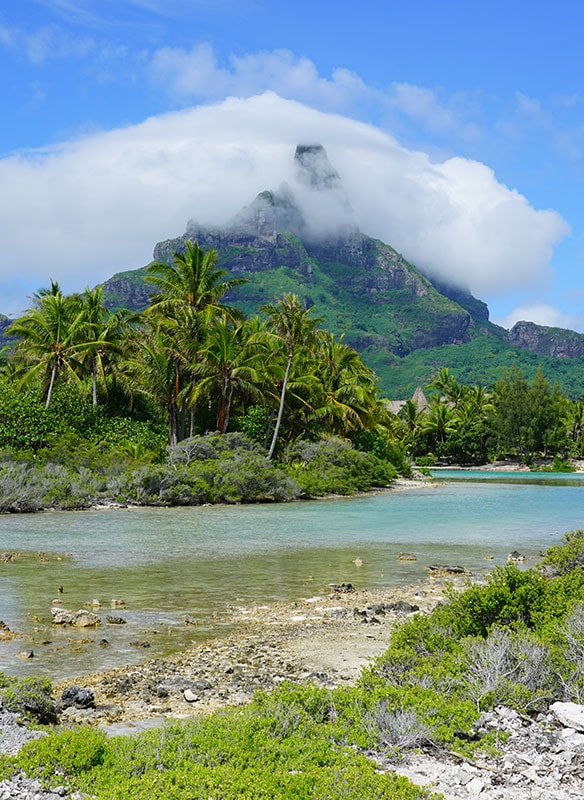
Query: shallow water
(165, 563)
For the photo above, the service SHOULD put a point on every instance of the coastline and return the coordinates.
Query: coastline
(326, 639)
(507, 466)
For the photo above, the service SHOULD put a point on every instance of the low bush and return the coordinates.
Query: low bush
(30, 697)
(217, 468)
(64, 754)
(242, 754)
(333, 466)
(567, 556)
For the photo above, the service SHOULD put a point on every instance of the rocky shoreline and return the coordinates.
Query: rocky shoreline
(326, 639)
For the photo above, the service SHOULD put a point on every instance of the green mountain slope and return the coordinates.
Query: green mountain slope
(404, 325)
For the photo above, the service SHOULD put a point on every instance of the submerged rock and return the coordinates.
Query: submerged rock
(5, 633)
(445, 569)
(79, 619)
(406, 557)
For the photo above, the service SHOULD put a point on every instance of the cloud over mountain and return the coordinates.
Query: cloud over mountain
(80, 211)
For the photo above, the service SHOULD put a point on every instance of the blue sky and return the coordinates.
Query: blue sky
(457, 129)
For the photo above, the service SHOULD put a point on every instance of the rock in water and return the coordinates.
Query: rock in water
(79, 619)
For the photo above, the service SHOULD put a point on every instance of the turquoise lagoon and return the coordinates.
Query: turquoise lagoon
(202, 561)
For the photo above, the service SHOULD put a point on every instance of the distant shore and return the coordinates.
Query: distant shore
(507, 466)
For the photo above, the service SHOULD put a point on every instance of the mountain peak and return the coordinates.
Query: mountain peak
(314, 169)
(314, 207)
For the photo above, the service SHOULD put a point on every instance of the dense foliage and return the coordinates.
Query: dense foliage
(93, 403)
(514, 418)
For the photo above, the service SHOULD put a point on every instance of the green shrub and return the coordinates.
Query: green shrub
(567, 556)
(232, 755)
(426, 461)
(30, 697)
(332, 466)
(254, 423)
(67, 753)
(218, 468)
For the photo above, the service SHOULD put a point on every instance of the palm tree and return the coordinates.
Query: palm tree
(154, 369)
(192, 281)
(574, 421)
(105, 334)
(189, 296)
(439, 421)
(49, 334)
(448, 387)
(412, 423)
(290, 322)
(349, 388)
(231, 363)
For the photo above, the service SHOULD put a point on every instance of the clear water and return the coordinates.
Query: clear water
(547, 478)
(166, 563)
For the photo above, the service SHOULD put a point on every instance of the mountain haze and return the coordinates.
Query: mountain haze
(302, 238)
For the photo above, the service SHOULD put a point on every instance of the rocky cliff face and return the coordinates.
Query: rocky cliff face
(362, 287)
(554, 342)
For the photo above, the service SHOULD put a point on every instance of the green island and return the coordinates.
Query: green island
(191, 402)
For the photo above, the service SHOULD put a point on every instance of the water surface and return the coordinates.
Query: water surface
(165, 563)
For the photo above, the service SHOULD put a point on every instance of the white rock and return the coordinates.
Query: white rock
(571, 715)
(190, 696)
(575, 741)
(475, 786)
(81, 618)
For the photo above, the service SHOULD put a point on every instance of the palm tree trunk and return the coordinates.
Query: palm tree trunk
(228, 409)
(269, 427)
(193, 406)
(94, 380)
(51, 384)
(281, 408)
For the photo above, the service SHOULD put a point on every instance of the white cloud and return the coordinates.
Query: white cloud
(196, 73)
(528, 105)
(424, 105)
(96, 205)
(104, 13)
(541, 314)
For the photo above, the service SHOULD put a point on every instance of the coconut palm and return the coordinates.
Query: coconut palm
(231, 363)
(189, 296)
(574, 422)
(294, 328)
(155, 370)
(193, 280)
(439, 421)
(49, 334)
(448, 387)
(349, 391)
(104, 333)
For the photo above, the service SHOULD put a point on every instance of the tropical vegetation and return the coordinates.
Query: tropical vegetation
(94, 403)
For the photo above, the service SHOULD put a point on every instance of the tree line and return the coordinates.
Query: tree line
(191, 363)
